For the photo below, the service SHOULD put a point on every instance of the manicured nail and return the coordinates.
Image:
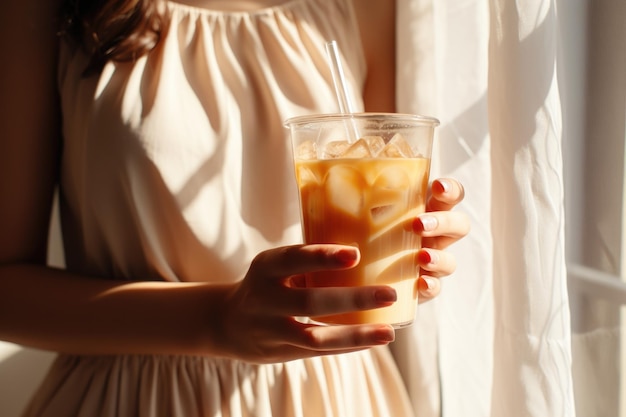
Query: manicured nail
(347, 256)
(385, 334)
(426, 257)
(444, 185)
(385, 295)
(426, 284)
(425, 223)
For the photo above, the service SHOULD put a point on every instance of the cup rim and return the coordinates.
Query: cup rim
(398, 117)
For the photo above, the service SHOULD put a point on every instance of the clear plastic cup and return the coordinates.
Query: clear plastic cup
(363, 179)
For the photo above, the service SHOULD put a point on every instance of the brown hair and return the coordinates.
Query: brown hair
(117, 30)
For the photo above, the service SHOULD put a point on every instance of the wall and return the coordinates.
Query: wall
(22, 369)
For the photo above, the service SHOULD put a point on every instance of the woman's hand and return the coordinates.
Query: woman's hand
(258, 316)
(440, 227)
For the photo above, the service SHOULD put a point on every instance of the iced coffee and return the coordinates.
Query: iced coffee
(362, 181)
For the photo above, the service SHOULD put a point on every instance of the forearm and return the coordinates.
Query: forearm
(51, 309)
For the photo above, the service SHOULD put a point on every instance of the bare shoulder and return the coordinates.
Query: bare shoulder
(29, 125)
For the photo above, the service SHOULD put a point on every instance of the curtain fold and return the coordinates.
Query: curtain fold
(532, 368)
(499, 336)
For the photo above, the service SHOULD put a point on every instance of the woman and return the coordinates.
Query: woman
(161, 125)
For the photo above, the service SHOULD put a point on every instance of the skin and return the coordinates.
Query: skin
(53, 309)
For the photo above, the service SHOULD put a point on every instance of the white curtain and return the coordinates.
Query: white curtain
(498, 341)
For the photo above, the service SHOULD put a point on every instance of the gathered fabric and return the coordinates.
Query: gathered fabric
(147, 386)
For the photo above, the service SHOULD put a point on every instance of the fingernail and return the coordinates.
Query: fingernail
(385, 334)
(425, 223)
(444, 185)
(385, 295)
(426, 283)
(347, 256)
(425, 257)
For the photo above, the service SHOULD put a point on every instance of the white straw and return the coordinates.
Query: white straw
(341, 88)
(339, 79)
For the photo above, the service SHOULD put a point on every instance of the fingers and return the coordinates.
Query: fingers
(436, 263)
(264, 307)
(320, 338)
(332, 300)
(287, 339)
(439, 219)
(278, 283)
(428, 287)
(442, 228)
(445, 194)
(332, 338)
(298, 259)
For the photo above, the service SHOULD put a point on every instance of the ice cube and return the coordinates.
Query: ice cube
(392, 177)
(386, 204)
(380, 214)
(306, 176)
(306, 150)
(358, 149)
(314, 203)
(397, 147)
(375, 143)
(388, 195)
(335, 149)
(344, 187)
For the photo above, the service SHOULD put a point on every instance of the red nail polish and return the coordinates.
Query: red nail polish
(423, 257)
(425, 223)
(443, 186)
(347, 257)
(422, 284)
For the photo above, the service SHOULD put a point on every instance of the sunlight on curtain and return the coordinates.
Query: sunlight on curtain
(443, 72)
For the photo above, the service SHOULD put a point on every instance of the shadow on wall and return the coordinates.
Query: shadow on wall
(21, 372)
(23, 369)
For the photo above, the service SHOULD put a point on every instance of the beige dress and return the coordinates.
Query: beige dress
(176, 167)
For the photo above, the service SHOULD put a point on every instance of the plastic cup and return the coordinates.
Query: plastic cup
(365, 192)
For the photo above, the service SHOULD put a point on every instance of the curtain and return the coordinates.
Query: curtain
(595, 215)
(497, 342)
